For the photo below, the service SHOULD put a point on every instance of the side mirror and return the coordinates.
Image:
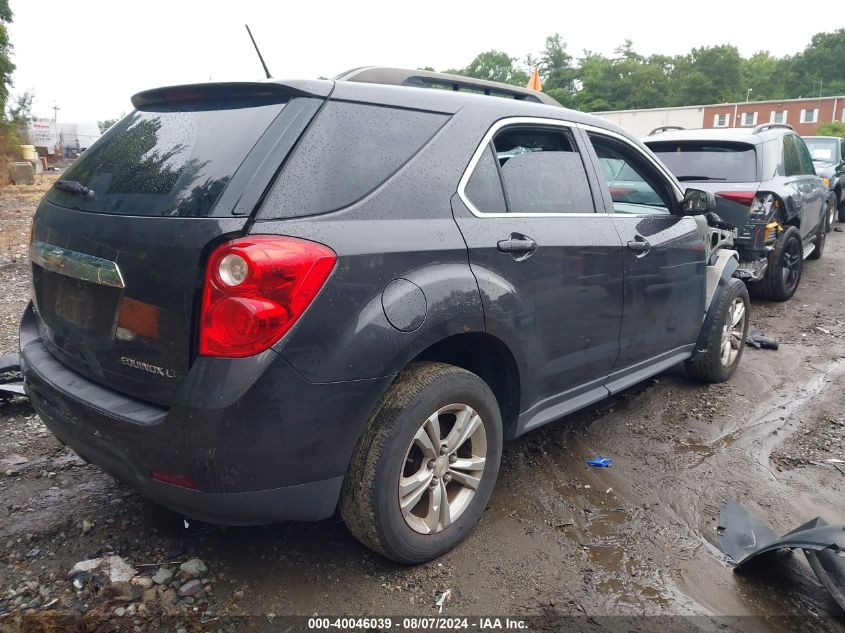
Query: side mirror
(698, 202)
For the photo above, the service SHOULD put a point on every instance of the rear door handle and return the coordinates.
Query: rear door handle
(639, 245)
(518, 245)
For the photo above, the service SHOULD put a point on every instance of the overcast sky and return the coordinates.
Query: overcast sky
(89, 56)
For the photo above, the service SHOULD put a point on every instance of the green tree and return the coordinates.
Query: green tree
(105, 125)
(6, 65)
(711, 74)
(834, 128)
(818, 69)
(764, 74)
(557, 73)
(20, 109)
(626, 81)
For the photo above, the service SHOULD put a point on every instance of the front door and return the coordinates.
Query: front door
(549, 268)
(663, 259)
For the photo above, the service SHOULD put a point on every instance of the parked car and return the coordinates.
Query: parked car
(828, 154)
(355, 294)
(766, 186)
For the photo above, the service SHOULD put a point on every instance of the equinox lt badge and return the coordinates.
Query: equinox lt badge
(147, 367)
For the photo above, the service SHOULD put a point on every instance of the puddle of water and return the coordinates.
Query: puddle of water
(608, 557)
(632, 595)
(706, 449)
(608, 524)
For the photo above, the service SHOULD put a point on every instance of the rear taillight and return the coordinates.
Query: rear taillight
(745, 198)
(255, 290)
(761, 205)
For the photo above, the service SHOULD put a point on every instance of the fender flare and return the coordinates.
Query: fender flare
(719, 274)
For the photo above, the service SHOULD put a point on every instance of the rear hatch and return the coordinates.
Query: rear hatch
(119, 243)
(728, 169)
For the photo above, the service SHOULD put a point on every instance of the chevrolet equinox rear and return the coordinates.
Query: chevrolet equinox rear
(256, 302)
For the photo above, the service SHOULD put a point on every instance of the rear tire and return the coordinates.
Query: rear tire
(726, 338)
(413, 454)
(821, 236)
(783, 274)
(842, 210)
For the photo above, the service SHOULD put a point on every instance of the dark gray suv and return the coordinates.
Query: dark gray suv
(766, 186)
(828, 153)
(256, 302)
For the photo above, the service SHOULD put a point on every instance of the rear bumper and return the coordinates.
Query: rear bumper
(262, 443)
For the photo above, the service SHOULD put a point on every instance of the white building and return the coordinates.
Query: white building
(48, 136)
(640, 122)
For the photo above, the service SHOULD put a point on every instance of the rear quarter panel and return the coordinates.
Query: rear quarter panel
(402, 230)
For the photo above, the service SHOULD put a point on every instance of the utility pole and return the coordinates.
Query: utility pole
(55, 113)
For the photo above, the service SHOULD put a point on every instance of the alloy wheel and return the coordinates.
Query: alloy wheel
(732, 332)
(792, 257)
(443, 467)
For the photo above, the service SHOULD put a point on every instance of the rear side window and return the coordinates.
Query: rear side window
(530, 170)
(804, 158)
(695, 161)
(348, 151)
(173, 160)
(484, 188)
(793, 161)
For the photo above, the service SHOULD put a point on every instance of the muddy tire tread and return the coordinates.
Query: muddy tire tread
(707, 366)
(357, 497)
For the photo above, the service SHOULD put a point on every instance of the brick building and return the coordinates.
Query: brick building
(805, 115)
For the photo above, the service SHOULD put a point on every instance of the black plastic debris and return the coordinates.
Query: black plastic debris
(759, 340)
(743, 538)
(11, 382)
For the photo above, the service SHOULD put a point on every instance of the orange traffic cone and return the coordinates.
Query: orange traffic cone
(534, 82)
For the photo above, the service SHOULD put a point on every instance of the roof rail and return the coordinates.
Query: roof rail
(428, 79)
(769, 126)
(665, 128)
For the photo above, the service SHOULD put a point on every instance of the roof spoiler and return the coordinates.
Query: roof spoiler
(270, 90)
(665, 128)
(429, 79)
(770, 126)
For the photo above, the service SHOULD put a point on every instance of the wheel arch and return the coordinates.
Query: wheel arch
(491, 360)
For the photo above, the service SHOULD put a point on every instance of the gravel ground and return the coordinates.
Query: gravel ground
(558, 540)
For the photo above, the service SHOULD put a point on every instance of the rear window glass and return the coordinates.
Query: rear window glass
(822, 149)
(349, 150)
(702, 162)
(167, 161)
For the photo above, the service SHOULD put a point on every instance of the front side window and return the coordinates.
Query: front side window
(634, 186)
(534, 170)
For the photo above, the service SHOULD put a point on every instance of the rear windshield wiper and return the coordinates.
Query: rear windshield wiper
(683, 178)
(71, 186)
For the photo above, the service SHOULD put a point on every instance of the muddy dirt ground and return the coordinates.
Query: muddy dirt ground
(558, 539)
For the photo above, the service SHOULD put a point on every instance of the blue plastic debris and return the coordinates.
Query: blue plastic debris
(600, 462)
